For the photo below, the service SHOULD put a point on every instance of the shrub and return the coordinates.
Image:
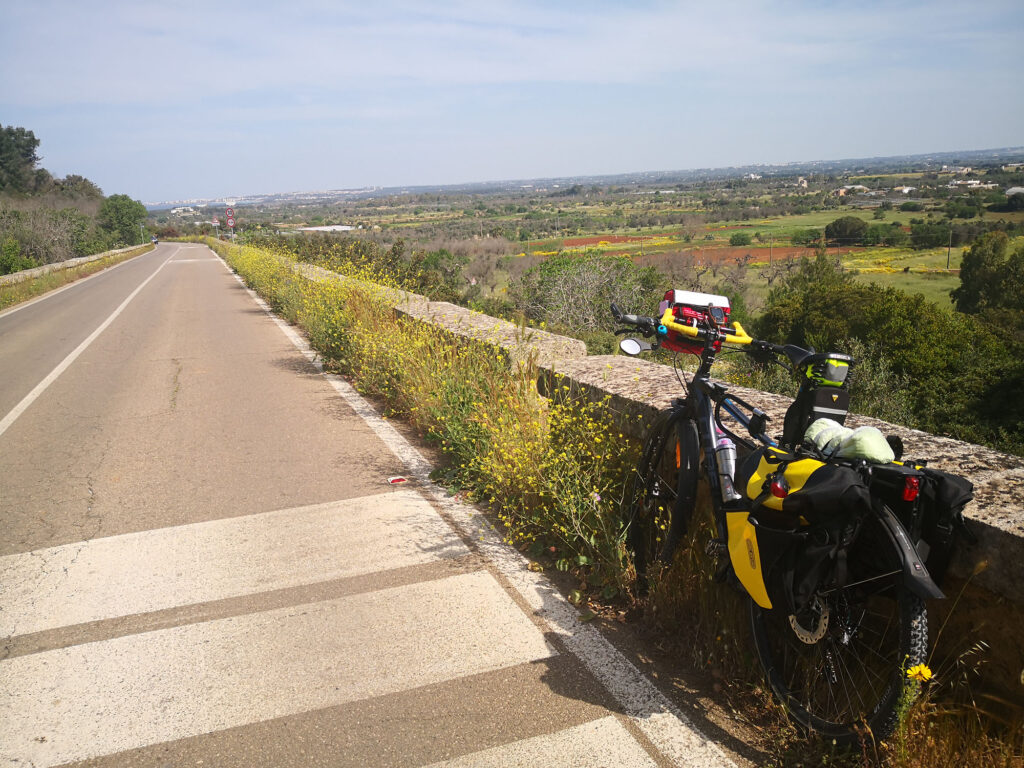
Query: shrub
(958, 367)
(575, 292)
(11, 259)
(806, 237)
(846, 230)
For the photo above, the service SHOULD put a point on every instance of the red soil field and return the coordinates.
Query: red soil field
(725, 255)
(574, 242)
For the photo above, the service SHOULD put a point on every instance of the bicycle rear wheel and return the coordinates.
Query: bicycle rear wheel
(663, 493)
(839, 666)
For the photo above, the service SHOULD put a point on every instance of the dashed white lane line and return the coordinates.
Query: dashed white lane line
(200, 562)
(51, 377)
(649, 709)
(113, 695)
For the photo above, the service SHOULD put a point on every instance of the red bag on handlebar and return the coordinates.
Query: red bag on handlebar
(691, 308)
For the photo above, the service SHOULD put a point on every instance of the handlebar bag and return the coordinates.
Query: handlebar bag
(803, 514)
(690, 308)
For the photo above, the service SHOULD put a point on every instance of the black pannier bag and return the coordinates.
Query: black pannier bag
(822, 395)
(784, 547)
(930, 504)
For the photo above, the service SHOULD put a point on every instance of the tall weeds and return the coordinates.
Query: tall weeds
(551, 470)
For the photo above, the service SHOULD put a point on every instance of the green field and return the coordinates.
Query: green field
(935, 286)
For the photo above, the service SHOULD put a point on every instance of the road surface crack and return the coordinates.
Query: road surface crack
(175, 383)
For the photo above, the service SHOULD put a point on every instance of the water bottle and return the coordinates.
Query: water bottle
(725, 452)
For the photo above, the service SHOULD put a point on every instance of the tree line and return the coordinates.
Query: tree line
(44, 219)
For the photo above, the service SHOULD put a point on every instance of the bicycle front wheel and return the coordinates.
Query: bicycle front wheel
(663, 494)
(839, 666)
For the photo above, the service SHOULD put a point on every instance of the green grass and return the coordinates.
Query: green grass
(934, 286)
(897, 259)
(885, 267)
(785, 226)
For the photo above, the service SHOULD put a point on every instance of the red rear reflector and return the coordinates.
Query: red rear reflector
(911, 487)
(779, 489)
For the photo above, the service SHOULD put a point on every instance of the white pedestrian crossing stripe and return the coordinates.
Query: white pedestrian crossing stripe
(109, 696)
(105, 697)
(189, 564)
(603, 743)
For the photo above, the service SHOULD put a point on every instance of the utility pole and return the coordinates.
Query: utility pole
(949, 247)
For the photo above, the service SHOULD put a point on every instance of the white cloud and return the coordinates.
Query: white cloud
(145, 53)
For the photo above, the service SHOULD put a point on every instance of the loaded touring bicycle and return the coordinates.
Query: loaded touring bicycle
(835, 541)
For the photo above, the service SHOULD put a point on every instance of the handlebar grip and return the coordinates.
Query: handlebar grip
(740, 336)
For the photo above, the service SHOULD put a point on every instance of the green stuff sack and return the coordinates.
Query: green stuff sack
(866, 443)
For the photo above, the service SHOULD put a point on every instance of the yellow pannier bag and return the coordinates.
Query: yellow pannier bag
(789, 474)
(797, 509)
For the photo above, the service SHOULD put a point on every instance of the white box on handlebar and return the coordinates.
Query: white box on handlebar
(691, 308)
(694, 299)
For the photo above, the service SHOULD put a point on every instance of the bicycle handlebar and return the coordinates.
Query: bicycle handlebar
(648, 326)
(740, 336)
(653, 326)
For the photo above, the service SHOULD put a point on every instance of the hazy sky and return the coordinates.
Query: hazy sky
(187, 99)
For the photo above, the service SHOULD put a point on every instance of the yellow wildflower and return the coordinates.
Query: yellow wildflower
(920, 672)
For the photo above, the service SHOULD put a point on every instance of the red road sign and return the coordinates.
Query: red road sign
(231, 222)
(230, 213)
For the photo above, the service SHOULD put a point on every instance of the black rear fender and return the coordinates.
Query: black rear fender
(915, 576)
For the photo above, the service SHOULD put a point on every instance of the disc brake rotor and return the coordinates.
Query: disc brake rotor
(817, 615)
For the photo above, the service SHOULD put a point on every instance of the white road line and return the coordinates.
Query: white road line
(41, 387)
(201, 562)
(649, 709)
(109, 696)
(76, 283)
(603, 743)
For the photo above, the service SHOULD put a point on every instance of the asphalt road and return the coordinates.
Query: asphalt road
(202, 562)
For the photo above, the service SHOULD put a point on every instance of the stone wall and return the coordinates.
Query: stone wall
(28, 274)
(640, 388)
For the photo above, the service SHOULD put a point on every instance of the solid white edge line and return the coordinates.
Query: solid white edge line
(648, 708)
(55, 291)
(41, 387)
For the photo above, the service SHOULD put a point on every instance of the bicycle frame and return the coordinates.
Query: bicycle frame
(703, 405)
